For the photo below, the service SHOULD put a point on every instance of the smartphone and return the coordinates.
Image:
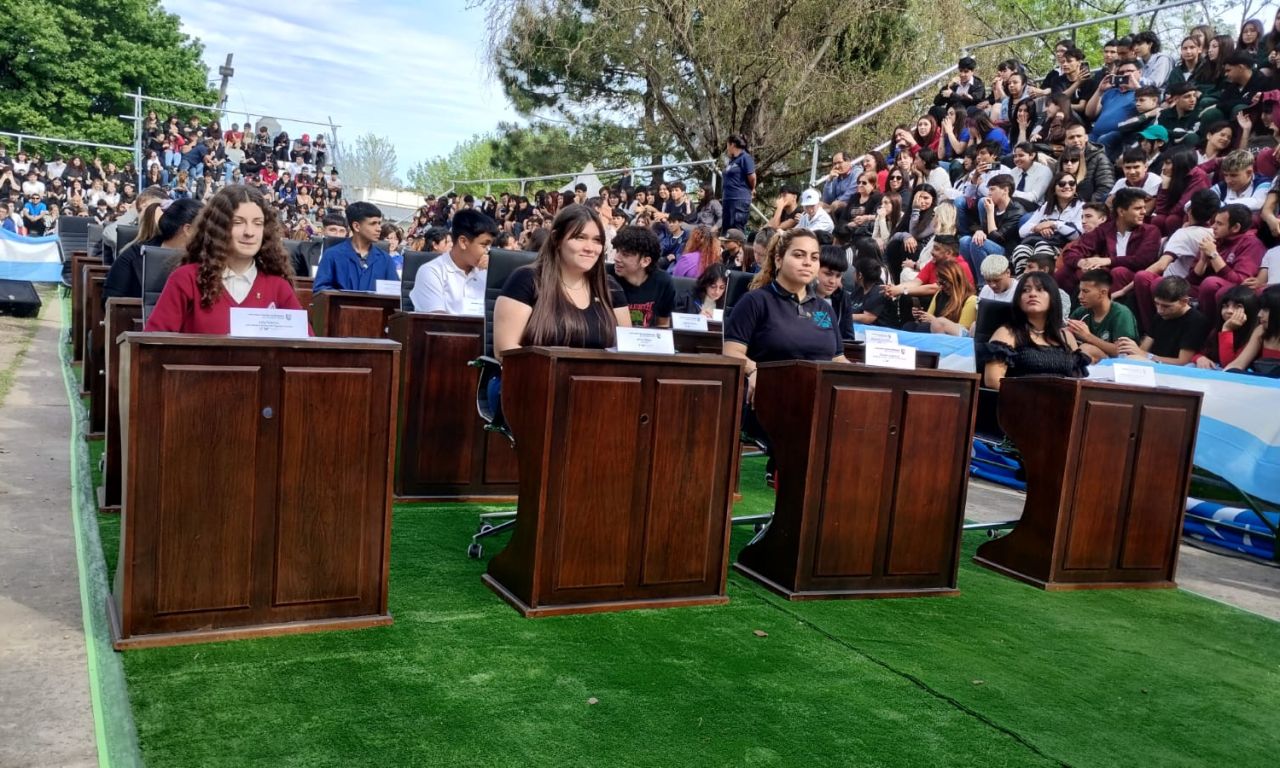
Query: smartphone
(1118, 80)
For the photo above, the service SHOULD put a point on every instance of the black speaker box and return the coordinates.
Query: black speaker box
(19, 298)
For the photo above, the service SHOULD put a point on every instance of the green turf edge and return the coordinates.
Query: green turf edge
(113, 726)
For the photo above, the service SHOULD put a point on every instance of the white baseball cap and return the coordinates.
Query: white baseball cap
(810, 197)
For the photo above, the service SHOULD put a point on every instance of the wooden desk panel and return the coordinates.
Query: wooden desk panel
(856, 352)
(1106, 488)
(352, 314)
(79, 260)
(123, 316)
(626, 471)
(302, 289)
(95, 366)
(272, 518)
(872, 469)
(443, 451)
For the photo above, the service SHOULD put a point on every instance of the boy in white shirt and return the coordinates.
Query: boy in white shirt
(454, 282)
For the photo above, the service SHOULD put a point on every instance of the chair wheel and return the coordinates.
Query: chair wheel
(485, 527)
(474, 551)
(991, 533)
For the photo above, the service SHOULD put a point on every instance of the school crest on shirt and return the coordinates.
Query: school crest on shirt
(822, 319)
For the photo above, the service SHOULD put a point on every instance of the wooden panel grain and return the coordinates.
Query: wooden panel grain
(121, 317)
(205, 504)
(447, 426)
(1156, 500)
(595, 488)
(679, 513)
(350, 321)
(922, 526)
(853, 490)
(1107, 438)
(322, 492)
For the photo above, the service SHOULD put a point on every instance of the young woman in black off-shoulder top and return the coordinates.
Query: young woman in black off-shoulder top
(1034, 341)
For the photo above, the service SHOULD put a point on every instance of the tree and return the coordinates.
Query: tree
(470, 159)
(687, 74)
(543, 148)
(370, 163)
(64, 66)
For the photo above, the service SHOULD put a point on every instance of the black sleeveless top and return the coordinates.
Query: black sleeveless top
(1033, 359)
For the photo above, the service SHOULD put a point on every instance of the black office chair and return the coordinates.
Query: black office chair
(413, 261)
(501, 264)
(157, 264)
(317, 254)
(73, 235)
(683, 285)
(739, 284)
(93, 240)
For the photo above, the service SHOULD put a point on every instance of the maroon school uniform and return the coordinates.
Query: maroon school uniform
(179, 309)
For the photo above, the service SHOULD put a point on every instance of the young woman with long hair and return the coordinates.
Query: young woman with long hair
(565, 298)
(1217, 142)
(1180, 178)
(707, 294)
(701, 251)
(1263, 348)
(1239, 311)
(1035, 340)
(1052, 225)
(235, 258)
(956, 299)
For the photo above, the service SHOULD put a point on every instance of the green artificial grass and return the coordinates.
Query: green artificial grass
(1003, 675)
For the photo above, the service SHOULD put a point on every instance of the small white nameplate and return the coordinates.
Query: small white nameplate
(1135, 375)
(682, 321)
(268, 323)
(891, 356)
(387, 287)
(880, 337)
(649, 341)
(717, 315)
(473, 307)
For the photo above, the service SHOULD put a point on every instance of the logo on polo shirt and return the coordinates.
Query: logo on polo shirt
(822, 319)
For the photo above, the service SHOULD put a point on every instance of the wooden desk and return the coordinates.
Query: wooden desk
(352, 314)
(443, 451)
(872, 474)
(856, 352)
(699, 342)
(302, 289)
(257, 496)
(95, 341)
(1108, 468)
(123, 316)
(79, 260)
(626, 471)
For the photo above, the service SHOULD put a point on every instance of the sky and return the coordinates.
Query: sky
(412, 71)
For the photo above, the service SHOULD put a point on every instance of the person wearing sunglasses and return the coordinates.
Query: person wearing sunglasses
(1052, 225)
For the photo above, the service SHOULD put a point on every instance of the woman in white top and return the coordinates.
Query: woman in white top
(1052, 225)
(934, 174)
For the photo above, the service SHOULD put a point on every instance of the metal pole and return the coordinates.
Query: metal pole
(52, 140)
(333, 145)
(813, 169)
(862, 118)
(137, 139)
(1079, 24)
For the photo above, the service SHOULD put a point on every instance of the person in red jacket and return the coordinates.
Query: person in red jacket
(1180, 178)
(235, 258)
(1122, 244)
(1233, 255)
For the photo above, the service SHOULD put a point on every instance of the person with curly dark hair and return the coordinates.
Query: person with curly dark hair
(235, 258)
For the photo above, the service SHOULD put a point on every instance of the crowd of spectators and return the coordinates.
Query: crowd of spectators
(187, 159)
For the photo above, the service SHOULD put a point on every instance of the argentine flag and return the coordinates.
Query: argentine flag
(37, 259)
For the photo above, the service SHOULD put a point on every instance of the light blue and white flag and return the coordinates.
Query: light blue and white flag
(955, 353)
(1239, 434)
(38, 259)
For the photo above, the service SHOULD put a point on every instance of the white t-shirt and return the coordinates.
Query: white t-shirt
(442, 286)
(819, 222)
(1150, 185)
(1271, 263)
(987, 294)
(1185, 246)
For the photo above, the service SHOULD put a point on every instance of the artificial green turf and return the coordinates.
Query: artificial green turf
(1004, 675)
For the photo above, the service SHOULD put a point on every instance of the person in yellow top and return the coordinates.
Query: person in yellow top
(956, 302)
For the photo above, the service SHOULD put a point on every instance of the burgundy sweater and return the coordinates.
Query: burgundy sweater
(179, 309)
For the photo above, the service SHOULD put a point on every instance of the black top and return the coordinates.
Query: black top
(776, 326)
(1034, 359)
(1169, 337)
(523, 287)
(873, 301)
(844, 318)
(650, 301)
(124, 279)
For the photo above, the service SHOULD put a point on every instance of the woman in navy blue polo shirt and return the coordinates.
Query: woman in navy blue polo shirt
(781, 319)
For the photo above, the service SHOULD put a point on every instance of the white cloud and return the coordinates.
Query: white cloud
(412, 71)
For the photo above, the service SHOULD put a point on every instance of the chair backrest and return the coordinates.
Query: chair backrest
(73, 231)
(125, 234)
(157, 264)
(739, 283)
(683, 285)
(93, 236)
(291, 246)
(991, 315)
(317, 254)
(501, 264)
(413, 261)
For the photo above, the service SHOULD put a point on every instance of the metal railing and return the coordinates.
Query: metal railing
(523, 180)
(51, 140)
(965, 51)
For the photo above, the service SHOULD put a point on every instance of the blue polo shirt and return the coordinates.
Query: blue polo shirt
(775, 325)
(342, 269)
(1116, 106)
(735, 176)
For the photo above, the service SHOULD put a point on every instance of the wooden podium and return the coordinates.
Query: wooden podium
(626, 476)
(257, 497)
(352, 314)
(79, 260)
(1107, 473)
(873, 470)
(95, 349)
(443, 451)
(123, 316)
(302, 289)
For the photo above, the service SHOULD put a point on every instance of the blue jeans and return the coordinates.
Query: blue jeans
(974, 254)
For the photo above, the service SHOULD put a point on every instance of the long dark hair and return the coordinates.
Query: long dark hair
(707, 279)
(211, 246)
(1020, 325)
(1183, 161)
(1226, 47)
(555, 319)
(1051, 200)
(1250, 302)
(1270, 301)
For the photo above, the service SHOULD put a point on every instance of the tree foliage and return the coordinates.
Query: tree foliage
(688, 73)
(543, 148)
(470, 159)
(370, 162)
(65, 64)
